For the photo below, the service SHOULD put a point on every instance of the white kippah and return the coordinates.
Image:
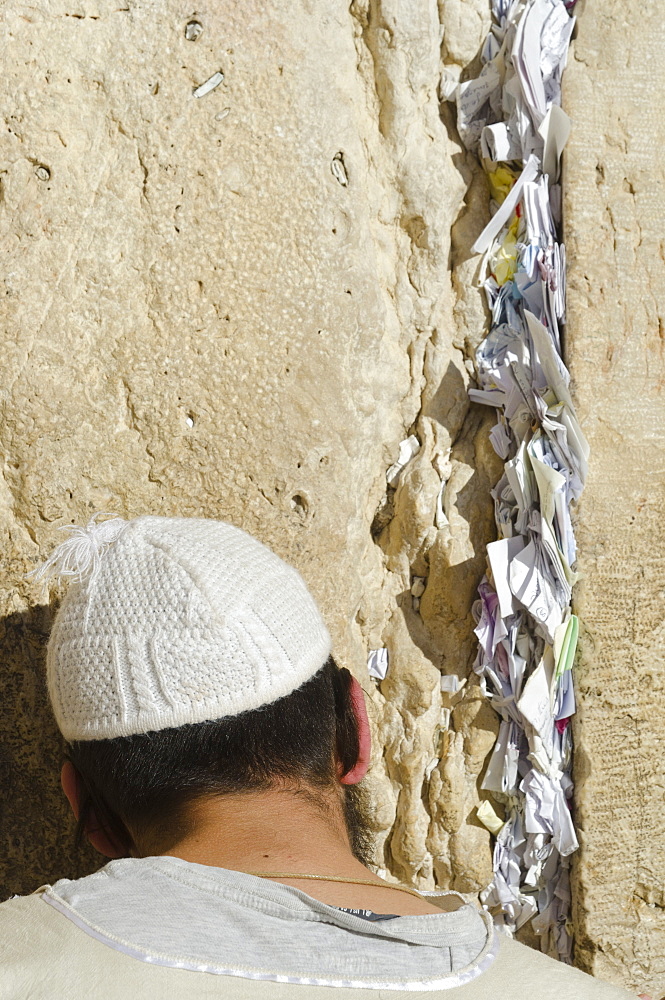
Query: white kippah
(174, 620)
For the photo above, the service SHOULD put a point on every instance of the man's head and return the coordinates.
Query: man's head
(188, 661)
(135, 794)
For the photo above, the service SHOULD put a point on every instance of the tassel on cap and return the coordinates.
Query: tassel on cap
(80, 555)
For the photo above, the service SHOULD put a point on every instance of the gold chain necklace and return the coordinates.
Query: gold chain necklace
(337, 878)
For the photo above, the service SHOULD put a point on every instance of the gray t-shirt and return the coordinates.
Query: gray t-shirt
(171, 912)
(161, 927)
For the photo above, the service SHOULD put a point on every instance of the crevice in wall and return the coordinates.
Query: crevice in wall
(429, 530)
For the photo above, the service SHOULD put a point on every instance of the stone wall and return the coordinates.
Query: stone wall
(615, 221)
(236, 306)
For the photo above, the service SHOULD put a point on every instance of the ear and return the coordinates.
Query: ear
(359, 770)
(71, 786)
(96, 834)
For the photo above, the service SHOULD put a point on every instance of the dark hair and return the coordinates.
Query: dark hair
(143, 782)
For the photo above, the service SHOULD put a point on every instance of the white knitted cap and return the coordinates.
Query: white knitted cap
(171, 621)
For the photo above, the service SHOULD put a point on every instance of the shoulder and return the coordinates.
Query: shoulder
(30, 941)
(19, 912)
(551, 980)
(46, 956)
(27, 926)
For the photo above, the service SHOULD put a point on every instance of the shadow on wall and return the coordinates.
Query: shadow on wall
(448, 404)
(36, 826)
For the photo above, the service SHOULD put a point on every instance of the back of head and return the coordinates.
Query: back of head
(187, 659)
(146, 783)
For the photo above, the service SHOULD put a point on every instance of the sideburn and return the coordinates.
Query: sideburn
(355, 813)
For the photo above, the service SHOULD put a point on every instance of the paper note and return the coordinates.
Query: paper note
(506, 210)
(497, 143)
(532, 586)
(547, 811)
(407, 450)
(477, 103)
(377, 663)
(526, 633)
(500, 555)
(488, 817)
(554, 130)
(548, 360)
(535, 705)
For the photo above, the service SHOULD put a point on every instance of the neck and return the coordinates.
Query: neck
(290, 832)
(277, 830)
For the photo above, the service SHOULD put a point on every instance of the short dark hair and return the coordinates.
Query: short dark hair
(143, 782)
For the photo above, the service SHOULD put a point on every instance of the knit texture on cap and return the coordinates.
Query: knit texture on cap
(184, 620)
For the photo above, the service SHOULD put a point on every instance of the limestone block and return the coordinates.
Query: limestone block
(615, 219)
(236, 305)
(465, 27)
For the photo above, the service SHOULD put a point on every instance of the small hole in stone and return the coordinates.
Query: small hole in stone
(192, 30)
(189, 420)
(299, 504)
(338, 169)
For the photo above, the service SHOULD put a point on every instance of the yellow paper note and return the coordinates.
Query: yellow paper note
(488, 817)
(503, 262)
(501, 180)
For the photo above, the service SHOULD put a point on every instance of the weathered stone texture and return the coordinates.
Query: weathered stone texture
(615, 221)
(236, 306)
